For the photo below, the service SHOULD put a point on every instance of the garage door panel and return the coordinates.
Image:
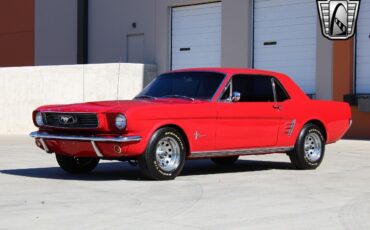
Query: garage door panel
(291, 49)
(281, 34)
(287, 27)
(199, 23)
(192, 45)
(194, 65)
(363, 49)
(197, 13)
(272, 3)
(199, 49)
(199, 37)
(197, 29)
(293, 57)
(286, 12)
(295, 45)
(293, 52)
(188, 57)
(284, 64)
(297, 22)
(292, 25)
(198, 9)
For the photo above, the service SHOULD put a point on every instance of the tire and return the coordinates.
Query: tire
(164, 157)
(76, 165)
(225, 160)
(311, 156)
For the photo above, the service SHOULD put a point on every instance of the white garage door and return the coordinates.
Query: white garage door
(363, 49)
(285, 39)
(196, 36)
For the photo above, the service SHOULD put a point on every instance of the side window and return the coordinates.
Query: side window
(281, 94)
(253, 88)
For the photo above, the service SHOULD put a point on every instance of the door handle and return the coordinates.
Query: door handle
(277, 107)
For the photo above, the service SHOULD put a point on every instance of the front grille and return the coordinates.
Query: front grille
(71, 120)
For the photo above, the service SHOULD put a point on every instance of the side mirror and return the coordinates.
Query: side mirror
(235, 96)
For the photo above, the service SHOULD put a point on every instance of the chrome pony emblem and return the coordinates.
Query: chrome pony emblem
(67, 119)
(338, 18)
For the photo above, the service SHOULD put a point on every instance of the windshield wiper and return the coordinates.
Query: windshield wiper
(179, 96)
(146, 97)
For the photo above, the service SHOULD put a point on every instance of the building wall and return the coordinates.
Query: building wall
(16, 33)
(55, 32)
(64, 84)
(110, 24)
(324, 66)
(235, 39)
(343, 78)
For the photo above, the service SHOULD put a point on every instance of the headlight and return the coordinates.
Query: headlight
(121, 121)
(38, 119)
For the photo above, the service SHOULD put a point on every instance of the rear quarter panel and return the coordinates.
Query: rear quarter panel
(334, 116)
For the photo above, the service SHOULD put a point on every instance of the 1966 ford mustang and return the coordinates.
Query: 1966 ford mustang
(214, 113)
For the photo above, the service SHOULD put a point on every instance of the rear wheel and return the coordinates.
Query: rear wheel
(164, 157)
(76, 165)
(225, 160)
(309, 149)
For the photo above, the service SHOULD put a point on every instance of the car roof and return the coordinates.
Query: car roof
(228, 70)
(292, 88)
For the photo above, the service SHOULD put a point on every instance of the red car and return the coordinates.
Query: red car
(214, 113)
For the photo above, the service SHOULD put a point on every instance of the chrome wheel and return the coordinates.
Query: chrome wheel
(312, 147)
(168, 154)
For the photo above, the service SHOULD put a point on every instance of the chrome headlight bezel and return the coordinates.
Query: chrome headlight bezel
(120, 121)
(38, 119)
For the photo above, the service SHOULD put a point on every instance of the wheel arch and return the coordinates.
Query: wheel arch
(178, 128)
(319, 124)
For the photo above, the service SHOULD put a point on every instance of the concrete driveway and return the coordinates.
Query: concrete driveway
(259, 192)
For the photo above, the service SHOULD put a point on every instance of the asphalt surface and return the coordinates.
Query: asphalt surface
(258, 192)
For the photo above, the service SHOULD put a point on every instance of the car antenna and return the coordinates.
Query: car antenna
(119, 72)
(83, 82)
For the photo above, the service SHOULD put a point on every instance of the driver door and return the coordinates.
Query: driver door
(251, 122)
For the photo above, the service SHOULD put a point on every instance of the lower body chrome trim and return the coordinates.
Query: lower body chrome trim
(237, 152)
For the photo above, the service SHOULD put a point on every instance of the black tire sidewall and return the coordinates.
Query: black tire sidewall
(69, 164)
(148, 162)
(310, 128)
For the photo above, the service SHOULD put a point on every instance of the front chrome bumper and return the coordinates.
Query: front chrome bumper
(41, 136)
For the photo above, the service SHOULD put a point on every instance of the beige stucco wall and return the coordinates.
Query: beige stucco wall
(22, 89)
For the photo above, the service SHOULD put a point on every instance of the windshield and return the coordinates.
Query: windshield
(184, 85)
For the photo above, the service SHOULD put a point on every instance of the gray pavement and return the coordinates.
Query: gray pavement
(259, 192)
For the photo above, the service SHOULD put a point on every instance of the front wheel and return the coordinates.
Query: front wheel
(309, 149)
(164, 157)
(76, 165)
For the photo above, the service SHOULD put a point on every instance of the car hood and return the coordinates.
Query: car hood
(114, 106)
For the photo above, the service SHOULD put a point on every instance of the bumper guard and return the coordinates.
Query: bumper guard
(46, 136)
